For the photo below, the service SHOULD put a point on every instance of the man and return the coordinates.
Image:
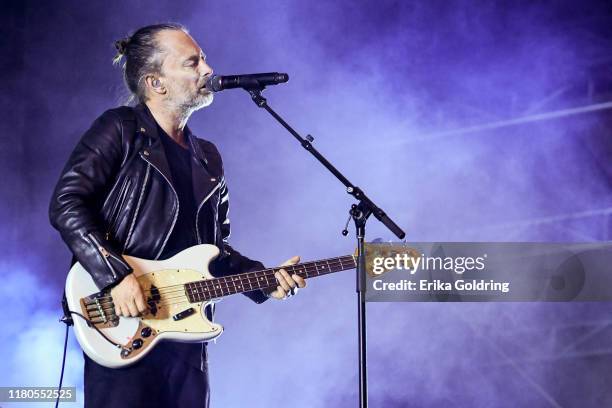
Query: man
(140, 183)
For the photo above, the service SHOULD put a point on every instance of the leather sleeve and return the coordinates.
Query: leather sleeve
(75, 202)
(233, 261)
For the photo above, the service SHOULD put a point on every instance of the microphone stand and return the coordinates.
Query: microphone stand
(360, 213)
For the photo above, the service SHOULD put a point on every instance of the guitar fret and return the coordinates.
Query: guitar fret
(196, 290)
(201, 287)
(262, 277)
(215, 288)
(227, 282)
(234, 287)
(206, 290)
(233, 282)
(249, 281)
(240, 284)
(221, 285)
(266, 277)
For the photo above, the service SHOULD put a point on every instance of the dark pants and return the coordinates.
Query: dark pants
(159, 380)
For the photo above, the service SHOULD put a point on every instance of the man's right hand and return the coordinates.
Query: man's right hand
(128, 297)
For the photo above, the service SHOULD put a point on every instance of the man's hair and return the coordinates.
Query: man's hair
(142, 55)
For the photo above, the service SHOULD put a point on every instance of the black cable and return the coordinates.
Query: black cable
(68, 321)
(59, 389)
(93, 326)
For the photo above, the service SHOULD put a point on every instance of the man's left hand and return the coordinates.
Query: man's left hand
(287, 284)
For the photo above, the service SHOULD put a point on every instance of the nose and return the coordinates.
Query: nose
(205, 69)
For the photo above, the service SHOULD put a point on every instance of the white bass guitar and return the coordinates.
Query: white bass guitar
(177, 291)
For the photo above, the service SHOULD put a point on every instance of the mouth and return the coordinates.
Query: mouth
(203, 86)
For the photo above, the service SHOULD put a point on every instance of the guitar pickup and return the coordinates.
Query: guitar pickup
(185, 313)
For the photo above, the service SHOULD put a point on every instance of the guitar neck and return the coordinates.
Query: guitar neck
(245, 282)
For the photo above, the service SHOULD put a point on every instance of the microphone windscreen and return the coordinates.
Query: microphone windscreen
(214, 84)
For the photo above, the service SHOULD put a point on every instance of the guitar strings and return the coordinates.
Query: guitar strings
(208, 290)
(173, 300)
(171, 295)
(306, 266)
(108, 308)
(267, 272)
(209, 285)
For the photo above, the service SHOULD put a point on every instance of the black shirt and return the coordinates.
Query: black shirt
(184, 233)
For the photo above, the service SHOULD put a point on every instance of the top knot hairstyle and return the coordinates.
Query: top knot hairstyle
(142, 55)
(121, 46)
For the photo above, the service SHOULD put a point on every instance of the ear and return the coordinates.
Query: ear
(154, 84)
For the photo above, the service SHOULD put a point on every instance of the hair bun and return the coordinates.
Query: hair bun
(122, 45)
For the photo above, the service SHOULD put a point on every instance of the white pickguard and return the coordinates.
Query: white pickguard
(187, 266)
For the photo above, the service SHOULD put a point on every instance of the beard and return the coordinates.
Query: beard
(201, 99)
(186, 101)
(192, 103)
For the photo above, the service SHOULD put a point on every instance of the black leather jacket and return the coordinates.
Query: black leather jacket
(115, 196)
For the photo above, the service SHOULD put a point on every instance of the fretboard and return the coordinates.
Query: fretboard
(204, 290)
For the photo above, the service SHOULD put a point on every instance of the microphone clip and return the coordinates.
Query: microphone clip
(257, 97)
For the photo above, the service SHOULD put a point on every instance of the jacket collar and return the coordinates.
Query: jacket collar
(146, 125)
(203, 181)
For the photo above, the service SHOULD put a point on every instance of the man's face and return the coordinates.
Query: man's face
(184, 70)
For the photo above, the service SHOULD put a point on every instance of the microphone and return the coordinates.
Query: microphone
(218, 83)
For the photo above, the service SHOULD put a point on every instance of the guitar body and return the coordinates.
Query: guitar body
(171, 317)
(177, 290)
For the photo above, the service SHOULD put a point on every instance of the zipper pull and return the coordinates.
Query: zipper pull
(103, 251)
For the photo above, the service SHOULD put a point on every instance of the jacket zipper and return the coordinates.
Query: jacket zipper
(117, 207)
(215, 188)
(105, 254)
(142, 190)
(175, 212)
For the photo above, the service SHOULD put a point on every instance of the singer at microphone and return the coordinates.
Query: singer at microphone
(157, 180)
(218, 83)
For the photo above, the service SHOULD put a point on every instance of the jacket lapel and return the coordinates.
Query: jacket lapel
(153, 153)
(203, 181)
